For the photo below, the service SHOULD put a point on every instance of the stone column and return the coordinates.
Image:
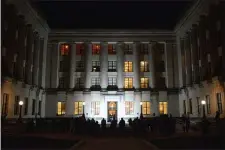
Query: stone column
(36, 59)
(29, 54)
(151, 66)
(88, 64)
(120, 65)
(22, 47)
(169, 65)
(136, 67)
(72, 64)
(55, 65)
(155, 103)
(187, 60)
(180, 61)
(104, 65)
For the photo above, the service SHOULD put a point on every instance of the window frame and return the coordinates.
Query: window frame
(219, 102)
(144, 85)
(16, 105)
(128, 66)
(143, 49)
(95, 80)
(62, 109)
(129, 108)
(112, 81)
(96, 49)
(208, 104)
(112, 66)
(164, 105)
(129, 79)
(80, 47)
(144, 67)
(79, 66)
(146, 107)
(96, 65)
(128, 49)
(79, 82)
(95, 108)
(79, 109)
(112, 51)
(5, 103)
(64, 51)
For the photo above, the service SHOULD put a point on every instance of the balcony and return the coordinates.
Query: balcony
(111, 70)
(96, 69)
(95, 88)
(112, 88)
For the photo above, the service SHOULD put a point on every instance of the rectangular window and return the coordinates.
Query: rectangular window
(95, 81)
(146, 108)
(95, 66)
(64, 49)
(39, 107)
(128, 83)
(111, 49)
(111, 66)
(219, 102)
(208, 104)
(78, 108)
(128, 66)
(144, 49)
(95, 108)
(144, 66)
(163, 107)
(96, 49)
(63, 66)
(129, 108)
(26, 104)
(80, 49)
(61, 108)
(16, 105)
(80, 66)
(144, 83)
(33, 106)
(61, 82)
(79, 83)
(184, 106)
(128, 49)
(198, 104)
(190, 106)
(5, 103)
(112, 81)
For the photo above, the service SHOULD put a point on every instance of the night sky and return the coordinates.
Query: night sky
(112, 15)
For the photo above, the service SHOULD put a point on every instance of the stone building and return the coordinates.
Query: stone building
(102, 73)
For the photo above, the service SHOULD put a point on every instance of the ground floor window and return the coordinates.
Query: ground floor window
(95, 108)
(163, 107)
(78, 108)
(5, 102)
(129, 108)
(16, 105)
(219, 102)
(145, 108)
(61, 108)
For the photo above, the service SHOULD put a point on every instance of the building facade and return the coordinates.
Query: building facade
(106, 73)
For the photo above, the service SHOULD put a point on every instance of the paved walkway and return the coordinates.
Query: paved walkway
(115, 144)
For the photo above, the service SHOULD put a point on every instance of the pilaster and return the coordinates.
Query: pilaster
(104, 65)
(120, 64)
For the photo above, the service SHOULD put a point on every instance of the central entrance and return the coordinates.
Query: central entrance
(112, 110)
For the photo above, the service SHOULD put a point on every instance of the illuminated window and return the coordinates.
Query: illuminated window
(64, 49)
(129, 108)
(79, 49)
(111, 66)
(145, 108)
(144, 83)
(144, 66)
(111, 48)
(95, 108)
(96, 49)
(144, 49)
(128, 66)
(128, 49)
(79, 66)
(78, 108)
(128, 83)
(208, 104)
(163, 107)
(5, 102)
(61, 108)
(95, 66)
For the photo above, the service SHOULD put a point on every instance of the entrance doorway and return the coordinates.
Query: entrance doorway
(112, 110)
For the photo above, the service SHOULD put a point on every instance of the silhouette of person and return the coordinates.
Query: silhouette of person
(122, 123)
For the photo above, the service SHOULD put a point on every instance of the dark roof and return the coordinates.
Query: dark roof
(112, 15)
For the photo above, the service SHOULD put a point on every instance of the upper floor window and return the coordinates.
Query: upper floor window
(79, 83)
(128, 49)
(63, 66)
(144, 66)
(95, 81)
(95, 66)
(64, 49)
(62, 82)
(111, 66)
(111, 48)
(144, 49)
(128, 66)
(80, 49)
(80, 66)
(128, 83)
(144, 83)
(96, 49)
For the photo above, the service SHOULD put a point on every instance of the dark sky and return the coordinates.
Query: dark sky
(112, 15)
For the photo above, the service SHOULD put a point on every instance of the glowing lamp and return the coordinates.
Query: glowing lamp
(203, 102)
(20, 103)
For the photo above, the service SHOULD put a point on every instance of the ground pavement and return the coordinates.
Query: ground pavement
(115, 143)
